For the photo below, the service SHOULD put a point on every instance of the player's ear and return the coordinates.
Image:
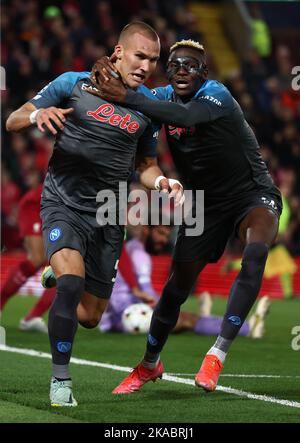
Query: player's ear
(204, 70)
(119, 50)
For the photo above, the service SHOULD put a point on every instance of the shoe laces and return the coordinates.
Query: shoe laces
(140, 372)
(214, 363)
(60, 384)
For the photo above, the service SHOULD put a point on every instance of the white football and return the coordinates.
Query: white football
(136, 318)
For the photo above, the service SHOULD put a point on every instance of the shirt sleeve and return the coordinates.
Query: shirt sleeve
(162, 92)
(58, 90)
(142, 266)
(148, 141)
(200, 110)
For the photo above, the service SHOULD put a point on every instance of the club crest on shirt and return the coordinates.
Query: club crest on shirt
(173, 131)
(54, 234)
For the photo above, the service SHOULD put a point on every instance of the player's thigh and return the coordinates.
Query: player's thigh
(35, 249)
(65, 235)
(260, 225)
(101, 259)
(192, 253)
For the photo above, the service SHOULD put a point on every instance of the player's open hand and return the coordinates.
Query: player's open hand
(176, 192)
(104, 69)
(107, 80)
(52, 116)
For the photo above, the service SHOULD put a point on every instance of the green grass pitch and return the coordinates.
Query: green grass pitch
(24, 380)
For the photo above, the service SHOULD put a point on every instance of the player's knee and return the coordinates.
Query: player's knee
(67, 262)
(90, 322)
(171, 300)
(254, 259)
(88, 317)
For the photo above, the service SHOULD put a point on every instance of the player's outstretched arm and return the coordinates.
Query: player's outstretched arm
(20, 119)
(112, 89)
(180, 115)
(126, 269)
(152, 178)
(28, 115)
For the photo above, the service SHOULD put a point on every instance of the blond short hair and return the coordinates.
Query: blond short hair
(188, 44)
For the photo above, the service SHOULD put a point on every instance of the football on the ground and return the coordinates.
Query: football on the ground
(136, 318)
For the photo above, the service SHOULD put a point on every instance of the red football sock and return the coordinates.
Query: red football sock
(42, 305)
(16, 278)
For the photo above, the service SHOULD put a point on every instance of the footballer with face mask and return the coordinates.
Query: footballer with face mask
(215, 150)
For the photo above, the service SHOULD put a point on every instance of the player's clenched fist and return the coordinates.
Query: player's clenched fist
(171, 186)
(48, 116)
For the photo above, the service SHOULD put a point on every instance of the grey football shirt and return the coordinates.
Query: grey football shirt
(97, 147)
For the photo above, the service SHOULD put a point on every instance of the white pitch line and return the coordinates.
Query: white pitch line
(76, 361)
(238, 392)
(241, 375)
(186, 381)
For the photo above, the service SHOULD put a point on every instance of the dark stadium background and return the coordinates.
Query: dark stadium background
(261, 381)
(42, 39)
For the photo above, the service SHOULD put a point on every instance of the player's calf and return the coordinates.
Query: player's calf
(62, 326)
(244, 289)
(62, 322)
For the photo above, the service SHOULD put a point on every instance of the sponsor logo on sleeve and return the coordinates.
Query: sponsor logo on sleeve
(211, 99)
(269, 202)
(39, 94)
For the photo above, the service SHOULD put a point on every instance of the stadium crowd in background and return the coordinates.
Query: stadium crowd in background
(44, 39)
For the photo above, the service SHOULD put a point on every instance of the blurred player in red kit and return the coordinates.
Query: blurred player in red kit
(30, 227)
